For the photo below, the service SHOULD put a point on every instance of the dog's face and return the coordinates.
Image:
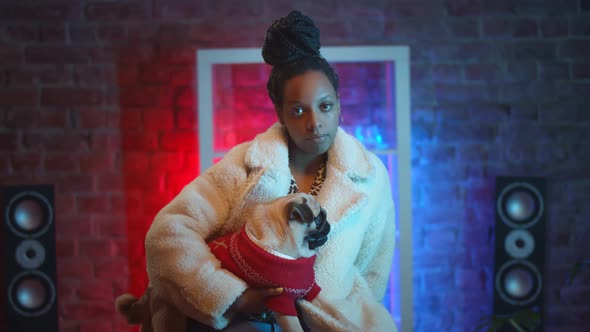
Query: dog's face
(294, 225)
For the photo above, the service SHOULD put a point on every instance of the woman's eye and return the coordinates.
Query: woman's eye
(326, 107)
(297, 111)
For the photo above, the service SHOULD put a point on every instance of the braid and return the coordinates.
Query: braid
(292, 47)
(290, 38)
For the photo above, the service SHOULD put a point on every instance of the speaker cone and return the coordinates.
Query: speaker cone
(29, 214)
(519, 243)
(31, 293)
(518, 282)
(520, 205)
(30, 254)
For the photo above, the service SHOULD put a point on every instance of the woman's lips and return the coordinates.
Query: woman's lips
(318, 138)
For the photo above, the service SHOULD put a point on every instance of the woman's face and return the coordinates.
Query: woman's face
(310, 111)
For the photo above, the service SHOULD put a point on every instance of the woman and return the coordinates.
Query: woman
(304, 151)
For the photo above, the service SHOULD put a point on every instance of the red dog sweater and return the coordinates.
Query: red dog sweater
(259, 268)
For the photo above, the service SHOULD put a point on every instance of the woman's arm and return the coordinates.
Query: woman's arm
(179, 262)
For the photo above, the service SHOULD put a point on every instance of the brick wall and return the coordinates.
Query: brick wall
(97, 97)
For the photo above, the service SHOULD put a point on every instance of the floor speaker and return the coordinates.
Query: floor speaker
(520, 251)
(29, 282)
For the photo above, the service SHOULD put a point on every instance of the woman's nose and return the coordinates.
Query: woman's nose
(313, 121)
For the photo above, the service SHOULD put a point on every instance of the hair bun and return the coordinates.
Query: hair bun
(290, 38)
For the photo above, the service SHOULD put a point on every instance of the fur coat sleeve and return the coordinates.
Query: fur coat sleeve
(179, 262)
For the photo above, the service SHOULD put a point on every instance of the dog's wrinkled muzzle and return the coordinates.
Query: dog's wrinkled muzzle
(320, 235)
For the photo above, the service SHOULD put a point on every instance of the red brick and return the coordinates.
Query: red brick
(113, 119)
(187, 118)
(19, 96)
(478, 8)
(26, 162)
(145, 182)
(67, 289)
(139, 52)
(55, 141)
(581, 70)
(116, 11)
(55, 12)
(146, 96)
(164, 162)
(58, 75)
(65, 248)
(111, 33)
(95, 289)
(134, 162)
(11, 54)
(180, 9)
(187, 98)
(111, 227)
(52, 33)
(9, 141)
(82, 311)
(103, 54)
(75, 226)
(92, 118)
(82, 33)
(71, 97)
(179, 141)
(178, 55)
(75, 183)
(133, 202)
(128, 75)
(183, 76)
(96, 163)
(142, 31)
(140, 141)
(65, 204)
(61, 162)
(155, 73)
(50, 54)
(100, 141)
(17, 32)
(100, 325)
(117, 201)
(110, 183)
(74, 268)
(21, 118)
(96, 247)
(158, 119)
(113, 268)
(4, 163)
(58, 118)
(92, 204)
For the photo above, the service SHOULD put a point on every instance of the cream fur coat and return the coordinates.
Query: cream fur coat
(352, 268)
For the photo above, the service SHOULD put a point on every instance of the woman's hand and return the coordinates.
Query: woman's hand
(252, 300)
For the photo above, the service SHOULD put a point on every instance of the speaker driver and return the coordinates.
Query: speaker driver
(518, 282)
(29, 214)
(30, 254)
(31, 293)
(520, 205)
(519, 243)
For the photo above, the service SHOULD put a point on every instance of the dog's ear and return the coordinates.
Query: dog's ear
(300, 211)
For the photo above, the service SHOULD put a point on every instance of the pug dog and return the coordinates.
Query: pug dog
(275, 247)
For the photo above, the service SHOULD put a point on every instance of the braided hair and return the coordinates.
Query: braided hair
(292, 47)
